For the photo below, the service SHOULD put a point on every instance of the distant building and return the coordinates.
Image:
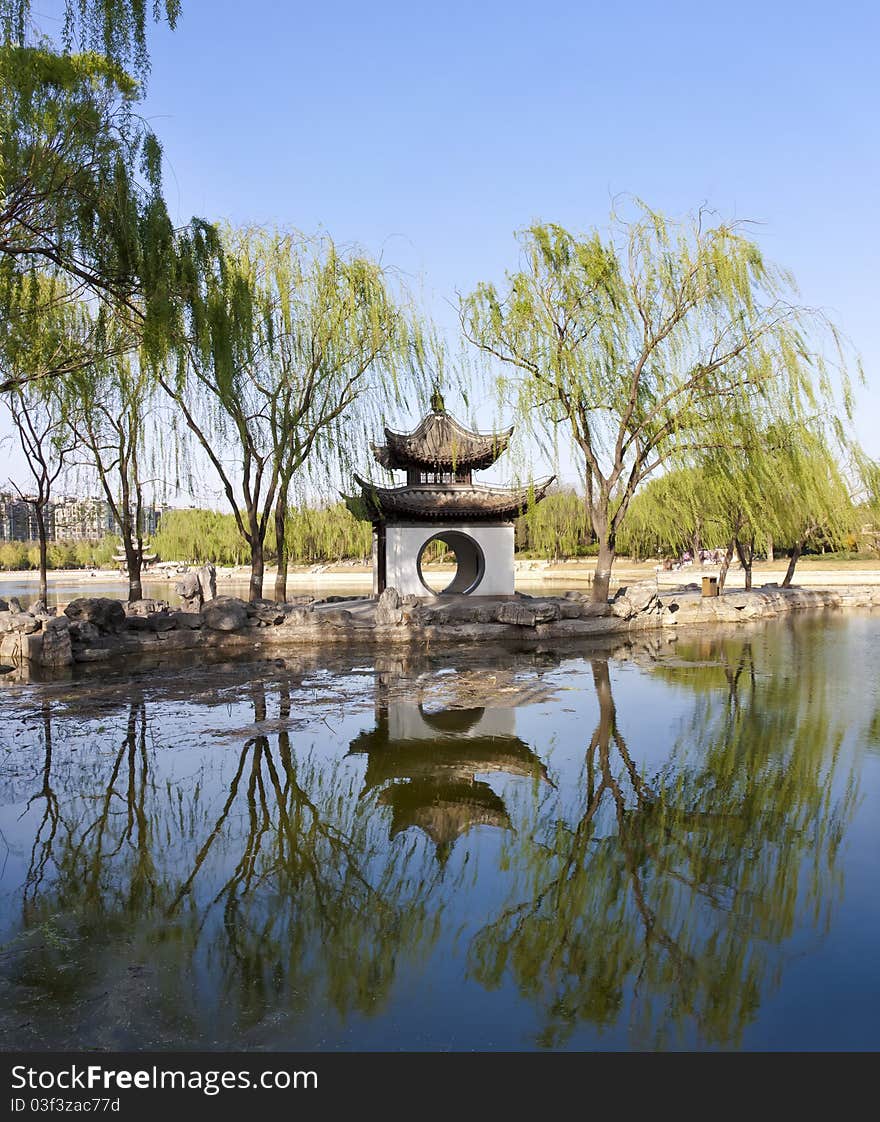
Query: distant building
(18, 522)
(82, 519)
(69, 519)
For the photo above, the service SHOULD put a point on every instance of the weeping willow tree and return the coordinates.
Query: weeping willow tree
(558, 526)
(317, 344)
(313, 534)
(647, 346)
(790, 484)
(82, 214)
(114, 28)
(108, 410)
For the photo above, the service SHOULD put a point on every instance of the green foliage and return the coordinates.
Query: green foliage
(785, 483)
(313, 535)
(312, 347)
(22, 556)
(649, 346)
(559, 526)
(116, 29)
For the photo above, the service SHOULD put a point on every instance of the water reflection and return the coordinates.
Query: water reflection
(424, 765)
(284, 861)
(670, 898)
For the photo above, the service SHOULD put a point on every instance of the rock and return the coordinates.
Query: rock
(528, 615)
(388, 610)
(338, 617)
(571, 609)
(57, 649)
(145, 607)
(39, 610)
(590, 609)
(207, 578)
(190, 591)
(25, 623)
(299, 616)
(161, 621)
(18, 647)
(107, 615)
(4, 607)
(93, 654)
(632, 599)
(137, 623)
(190, 620)
(225, 613)
(81, 631)
(6, 618)
(14, 605)
(266, 611)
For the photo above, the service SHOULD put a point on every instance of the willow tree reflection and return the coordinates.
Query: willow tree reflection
(668, 900)
(209, 903)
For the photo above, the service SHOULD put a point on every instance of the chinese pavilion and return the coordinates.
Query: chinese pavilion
(441, 502)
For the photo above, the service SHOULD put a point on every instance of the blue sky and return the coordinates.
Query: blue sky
(430, 133)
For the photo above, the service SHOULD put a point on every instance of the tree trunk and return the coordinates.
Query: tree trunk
(281, 547)
(255, 591)
(770, 554)
(133, 564)
(41, 533)
(745, 559)
(792, 562)
(725, 565)
(602, 577)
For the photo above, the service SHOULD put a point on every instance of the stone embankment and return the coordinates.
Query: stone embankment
(100, 630)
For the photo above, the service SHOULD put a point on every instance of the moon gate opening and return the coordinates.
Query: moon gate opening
(470, 564)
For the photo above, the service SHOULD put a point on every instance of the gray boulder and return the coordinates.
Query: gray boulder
(161, 621)
(57, 649)
(25, 623)
(14, 605)
(633, 599)
(107, 615)
(190, 620)
(4, 607)
(388, 610)
(266, 611)
(190, 591)
(528, 615)
(225, 613)
(81, 631)
(145, 607)
(207, 577)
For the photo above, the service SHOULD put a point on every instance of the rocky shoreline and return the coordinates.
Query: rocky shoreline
(100, 630)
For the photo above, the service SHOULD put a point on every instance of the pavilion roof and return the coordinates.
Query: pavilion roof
(441, 442)
(456, 502)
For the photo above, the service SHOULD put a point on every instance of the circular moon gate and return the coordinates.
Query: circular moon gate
(468, 557)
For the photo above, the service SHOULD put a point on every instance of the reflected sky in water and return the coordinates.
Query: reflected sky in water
(654, 845)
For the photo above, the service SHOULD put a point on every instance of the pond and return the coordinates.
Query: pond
(661, 845)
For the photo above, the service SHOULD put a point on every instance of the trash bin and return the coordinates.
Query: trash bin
(710, 586)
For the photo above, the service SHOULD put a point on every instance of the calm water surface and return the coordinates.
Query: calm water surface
(672, 846)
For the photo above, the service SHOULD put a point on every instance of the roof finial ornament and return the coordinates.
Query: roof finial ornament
(438, 405)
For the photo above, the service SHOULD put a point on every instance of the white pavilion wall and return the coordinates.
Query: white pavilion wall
(404, 542)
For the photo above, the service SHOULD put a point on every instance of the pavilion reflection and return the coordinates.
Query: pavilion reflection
(424, 765)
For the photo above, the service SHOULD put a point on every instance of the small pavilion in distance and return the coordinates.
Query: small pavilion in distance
(440, 502)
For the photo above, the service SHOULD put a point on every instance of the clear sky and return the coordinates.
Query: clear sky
(430, 133)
